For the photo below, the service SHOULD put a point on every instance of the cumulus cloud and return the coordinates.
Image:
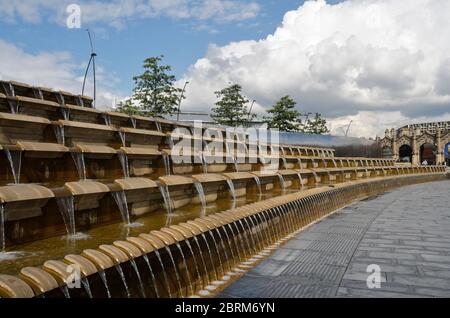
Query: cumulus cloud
(56, 70)
(366, 60)
(117, 13)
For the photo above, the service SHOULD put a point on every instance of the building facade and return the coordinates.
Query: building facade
(424, 143)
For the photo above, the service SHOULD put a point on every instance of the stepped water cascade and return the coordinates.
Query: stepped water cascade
(15, 162)
(202, 224)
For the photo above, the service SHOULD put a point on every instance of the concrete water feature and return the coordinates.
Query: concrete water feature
(103, 193)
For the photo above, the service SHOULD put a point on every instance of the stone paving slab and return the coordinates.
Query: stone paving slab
(406, 232)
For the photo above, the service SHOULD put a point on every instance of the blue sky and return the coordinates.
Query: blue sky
(380, 63)
(121, 51)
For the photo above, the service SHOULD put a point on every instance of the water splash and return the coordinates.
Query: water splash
(67, 209)
(15, 163)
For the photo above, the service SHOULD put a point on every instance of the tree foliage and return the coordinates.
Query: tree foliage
(154, 93)
(317, 126)
(231, 109)
(284, 116)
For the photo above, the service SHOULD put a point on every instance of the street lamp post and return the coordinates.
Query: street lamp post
(181, 98)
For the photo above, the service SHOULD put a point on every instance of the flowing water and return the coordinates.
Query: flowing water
(121, 200)
(60, 135)
(138, 275)
(133, 122)
(201, 195)
(282, 183)
(38, 93)
(2, 228)
(152, 275)
(79, 101)
(166, 161)
(210, 256)
(87, 287)
(123, 138)
(78, 159)
(10, 92)
(67, 209)
(202, 258)
(223, 247)
(102, 275)
(301, 180)
(188, 274)
(60, 99)
(232, 191)
(166, 279)
(164, 190)
(258, 184)
(123, 279)
(197, 270)
(106, 119)
(65, 291)
(175, 268)
(158, 126)
(123, 158)
(15, 163)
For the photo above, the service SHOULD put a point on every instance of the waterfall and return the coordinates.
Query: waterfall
(166, 161)
(300, 179)
(210, 254)
(102, 275)
(175, 268)
(152, 275)
(164, 189)
(194, 258)
(223, 248)
(65, 291)
(80, 101)
(282, 184)
(2, 228)
(204, 163)
(38, 93)
(315, 177)
(15, 162)
(60, 99)
(133, 122)
(122, 277)
(123, 158)
(158, 126)
(334, 163)
(67, 210)
(121, 201)
(166, 279)
(106, 119)
(123, 138)
(138, 275)
(87, 287)
(258, 184)
(284, 162)
(201, 195)
(232, 191)
(299, 163)
(217, 251)
(188, 275)
(65, 112)
(59, 133)
(9, 90)
(202, 258)
(78, 158)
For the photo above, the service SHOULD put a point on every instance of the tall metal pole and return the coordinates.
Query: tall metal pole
(91, 60)
(250, 111)
(181, 98)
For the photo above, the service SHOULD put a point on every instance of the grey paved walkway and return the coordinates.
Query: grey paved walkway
(406, 232)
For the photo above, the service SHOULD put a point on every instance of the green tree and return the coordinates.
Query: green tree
(154, 93)
(231, 109)
(284, 116)
(316, 126)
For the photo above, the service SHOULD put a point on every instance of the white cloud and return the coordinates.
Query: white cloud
(117, 13)
(366, 60)
(56, 70)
